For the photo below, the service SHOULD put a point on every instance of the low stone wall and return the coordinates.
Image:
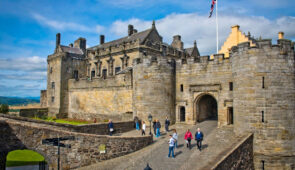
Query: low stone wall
(240, 157)
(84, 149)
(93, 128)
(34, 112)
(102, 117)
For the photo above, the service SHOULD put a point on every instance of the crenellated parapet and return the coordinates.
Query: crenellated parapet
(283, 46)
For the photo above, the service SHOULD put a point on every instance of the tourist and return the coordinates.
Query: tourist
(154, 126)
(143, 126)
(171, 146)
(158, 126)
(136, 123)
(188, 137)
(175, 137)
(199, 137)
(111, 127)
(167, 123)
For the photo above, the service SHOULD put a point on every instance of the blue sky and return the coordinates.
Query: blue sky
(28, 28)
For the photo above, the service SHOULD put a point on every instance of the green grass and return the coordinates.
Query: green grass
(70, 122)
(23, 157)
(66, 121)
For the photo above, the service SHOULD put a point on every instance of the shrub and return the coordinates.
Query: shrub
(4, 108)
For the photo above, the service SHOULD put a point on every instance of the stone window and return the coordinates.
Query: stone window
(50, 69)
(231, 87)
(263, 82)
(262, 164)
(230, 115)
(181, 87)
(76, 74)
(117, 69)
(262, 116)
(53, 85)
(52, 99)
(182, 114)
(104, 73)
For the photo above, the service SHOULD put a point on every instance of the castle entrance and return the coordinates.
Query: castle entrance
(206, 108)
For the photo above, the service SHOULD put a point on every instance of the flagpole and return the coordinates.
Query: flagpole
(216, 27)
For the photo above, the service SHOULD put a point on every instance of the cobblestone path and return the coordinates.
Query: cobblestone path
(216, 142)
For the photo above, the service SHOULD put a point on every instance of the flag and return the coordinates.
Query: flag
(212, 7)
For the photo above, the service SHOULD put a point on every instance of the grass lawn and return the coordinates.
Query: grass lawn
(66, 121)
(23, 157)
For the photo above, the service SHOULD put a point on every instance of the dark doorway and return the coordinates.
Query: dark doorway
(92, 74)
(182, 114)
(104, 73)
(206, 108)
(230, 115)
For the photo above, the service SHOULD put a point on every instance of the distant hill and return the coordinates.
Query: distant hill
(18, 100)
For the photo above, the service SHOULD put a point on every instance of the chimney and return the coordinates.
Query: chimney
(130, 30)
(80, 43)
(235, 28)
(177, 43)
(57, 40)
(101, 39)
(281, 35)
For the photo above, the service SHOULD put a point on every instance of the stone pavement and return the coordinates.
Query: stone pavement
(217, 141)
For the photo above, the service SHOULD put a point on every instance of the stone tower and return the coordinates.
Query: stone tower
(154, 87)
(66, 62)
(264, 100)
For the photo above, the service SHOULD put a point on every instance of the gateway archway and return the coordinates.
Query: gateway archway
(206, 108)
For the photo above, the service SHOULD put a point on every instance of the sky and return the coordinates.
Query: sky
(28, 29)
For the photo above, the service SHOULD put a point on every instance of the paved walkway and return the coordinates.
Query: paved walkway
(156, 153)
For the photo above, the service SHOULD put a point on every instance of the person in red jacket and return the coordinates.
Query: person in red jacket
(188, 137)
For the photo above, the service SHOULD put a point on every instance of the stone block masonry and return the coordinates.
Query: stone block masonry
(34, 112)
(94, 128)
(240, 157)
(84, 149)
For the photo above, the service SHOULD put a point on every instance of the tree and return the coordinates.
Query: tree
(4, 108)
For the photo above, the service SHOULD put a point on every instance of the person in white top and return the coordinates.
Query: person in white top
(175, 137)
(171, 146)
(143, 126)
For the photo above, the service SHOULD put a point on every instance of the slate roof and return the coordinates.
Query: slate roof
(140, 35)
(189, 50)
(71, 50)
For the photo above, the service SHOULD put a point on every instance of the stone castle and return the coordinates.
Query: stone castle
(249, 85)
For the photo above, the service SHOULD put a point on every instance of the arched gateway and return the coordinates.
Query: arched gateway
(206, 108)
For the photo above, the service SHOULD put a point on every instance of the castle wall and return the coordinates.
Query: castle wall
(53, 75)
(199, 77)
(100, 98)
(61, 67)
(43, 98)
(153, 88)
(265, 100)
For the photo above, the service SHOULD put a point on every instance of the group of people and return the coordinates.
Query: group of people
(188, 137)
(156, 126)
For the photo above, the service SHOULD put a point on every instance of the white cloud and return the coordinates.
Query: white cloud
(199, 27)
(34, 63)
(61, 25)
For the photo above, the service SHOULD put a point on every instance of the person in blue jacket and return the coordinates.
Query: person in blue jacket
(199, 137)
(111, 127)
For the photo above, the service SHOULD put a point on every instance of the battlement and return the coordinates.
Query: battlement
(152, 60)
(265, 44)
(119, 80)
